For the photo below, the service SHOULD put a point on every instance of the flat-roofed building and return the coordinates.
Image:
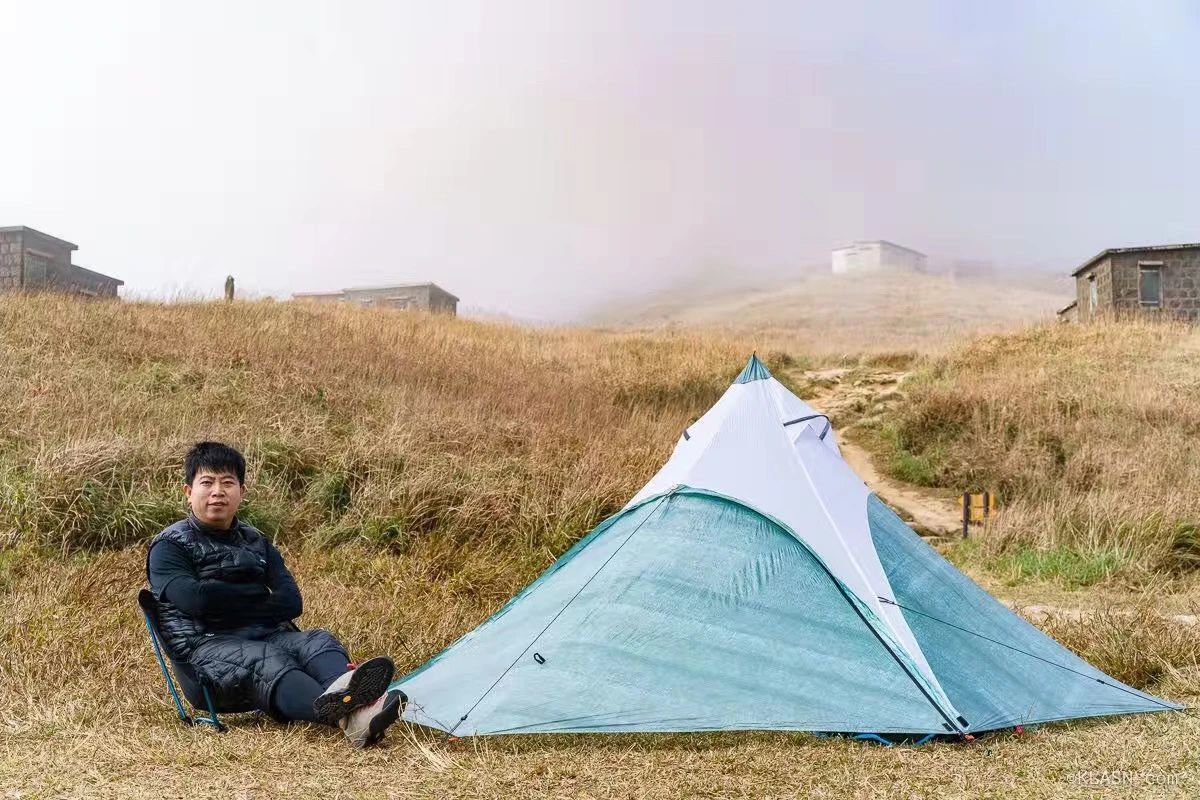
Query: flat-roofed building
(877, 256)
(1158, 279)
(422, 296)
(34, 261)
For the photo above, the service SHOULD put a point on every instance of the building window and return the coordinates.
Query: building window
(1150, 285)
(1093, 293)
(35, 270)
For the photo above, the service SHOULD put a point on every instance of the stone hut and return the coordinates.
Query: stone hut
(1161, 279)
(35, 261)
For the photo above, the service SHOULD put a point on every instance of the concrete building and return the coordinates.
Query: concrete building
(877, 256)
(1160, 279)
(423, 296)
(35, 261)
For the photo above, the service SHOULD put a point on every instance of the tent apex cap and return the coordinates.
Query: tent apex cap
(755, 371)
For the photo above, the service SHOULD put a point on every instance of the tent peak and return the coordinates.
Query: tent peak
(755, 371)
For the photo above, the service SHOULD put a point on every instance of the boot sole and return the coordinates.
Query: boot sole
(368, 683)
(393, 707)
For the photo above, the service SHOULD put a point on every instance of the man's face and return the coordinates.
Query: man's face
(214, 498)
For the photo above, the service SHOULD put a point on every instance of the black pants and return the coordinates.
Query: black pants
(246, 671)
(297, 689)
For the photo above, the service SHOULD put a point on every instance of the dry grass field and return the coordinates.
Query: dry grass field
(1088, 432)
(417, 471)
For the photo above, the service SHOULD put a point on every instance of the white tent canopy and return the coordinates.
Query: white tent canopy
(744, 448)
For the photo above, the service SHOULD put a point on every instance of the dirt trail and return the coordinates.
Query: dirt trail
(931, 511)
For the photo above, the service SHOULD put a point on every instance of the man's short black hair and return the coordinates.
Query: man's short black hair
(215, 457)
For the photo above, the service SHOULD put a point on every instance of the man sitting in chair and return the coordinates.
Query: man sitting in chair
(226, 601)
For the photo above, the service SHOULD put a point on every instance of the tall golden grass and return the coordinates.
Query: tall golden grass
(417, 471)
(397, 428)
(1086, 432)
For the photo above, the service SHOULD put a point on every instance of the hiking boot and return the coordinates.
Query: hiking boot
(360, 686)
(365, 726)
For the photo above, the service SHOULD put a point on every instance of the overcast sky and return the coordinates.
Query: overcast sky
(538, 158)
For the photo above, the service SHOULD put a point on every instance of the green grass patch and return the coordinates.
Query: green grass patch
(921, 469)
(1069, 567)
(911, 468)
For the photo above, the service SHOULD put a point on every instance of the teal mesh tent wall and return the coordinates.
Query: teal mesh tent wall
(756, 583)
(1000, 670)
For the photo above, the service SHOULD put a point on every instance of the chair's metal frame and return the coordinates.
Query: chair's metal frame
(211, 720)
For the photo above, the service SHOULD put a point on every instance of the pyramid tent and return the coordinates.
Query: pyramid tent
(756, 583)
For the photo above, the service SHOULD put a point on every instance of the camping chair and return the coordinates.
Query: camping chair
(194, 688)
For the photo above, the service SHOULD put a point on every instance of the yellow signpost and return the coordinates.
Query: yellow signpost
(977, 508)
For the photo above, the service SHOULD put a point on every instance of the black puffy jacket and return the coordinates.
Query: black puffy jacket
(240, 661)
(238, 557)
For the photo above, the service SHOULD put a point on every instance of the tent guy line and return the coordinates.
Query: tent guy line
(1027, 653)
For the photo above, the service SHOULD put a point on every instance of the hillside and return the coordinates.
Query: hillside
(1083, 430)
(419, 470)
(824, 312)
(398, 422)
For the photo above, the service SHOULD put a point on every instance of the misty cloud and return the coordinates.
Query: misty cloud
(540, 157)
